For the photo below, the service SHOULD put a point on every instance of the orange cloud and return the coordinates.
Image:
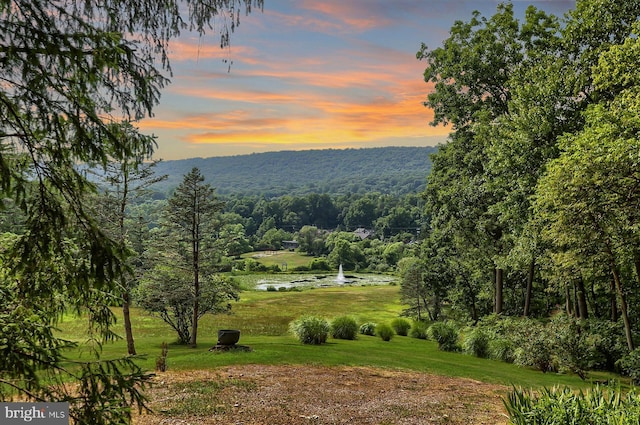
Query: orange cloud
(351, 15)
(315, 111)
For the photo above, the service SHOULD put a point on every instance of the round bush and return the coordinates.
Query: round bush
(476, 342)
(310, 330)
(401, 326)
(419, 330)
(502, 349)
(368, 328)
(630, 365)
(385, 331)
(344, 327)
(445, 334)
(320, 264)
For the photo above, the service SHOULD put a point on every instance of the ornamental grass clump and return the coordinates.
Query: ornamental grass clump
(419, 330)
(401, 326)
(445, 334)
(385, 331)
(368, 328)
(476, 342)
(344, 327)
(310, 330)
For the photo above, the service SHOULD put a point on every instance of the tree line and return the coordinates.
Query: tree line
(388, 170)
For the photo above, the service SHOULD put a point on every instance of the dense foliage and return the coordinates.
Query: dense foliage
(533, 202)
(398, 170)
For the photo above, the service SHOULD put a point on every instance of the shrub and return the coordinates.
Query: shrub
(445, 334)
(573, 347)
(629, 365)
(536, 350)
(251, 265)
(401, 326)
(419, 330)
(502, 349)
(161, 361)
(476, 342)
(564, 406)
(320, 264)
(385, 331)
(368, 328)
(310, 330)
(608, 342)
(344, 327)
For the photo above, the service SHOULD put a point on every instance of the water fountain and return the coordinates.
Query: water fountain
(341, 278)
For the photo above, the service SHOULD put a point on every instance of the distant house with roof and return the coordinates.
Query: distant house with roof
(290, 245)
(363, 233)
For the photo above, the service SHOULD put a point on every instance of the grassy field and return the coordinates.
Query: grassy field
(286, 260)
(263, 318)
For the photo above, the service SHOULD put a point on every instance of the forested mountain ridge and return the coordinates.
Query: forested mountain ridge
(392, 170)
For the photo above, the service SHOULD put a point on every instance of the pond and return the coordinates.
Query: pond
(286, 281)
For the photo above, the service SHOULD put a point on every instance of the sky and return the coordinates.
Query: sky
(311, 74)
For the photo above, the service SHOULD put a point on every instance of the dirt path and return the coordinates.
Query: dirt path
(291, 395)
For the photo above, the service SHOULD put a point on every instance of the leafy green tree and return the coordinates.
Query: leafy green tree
(272, 239)
(472, 75)
(412, 288)
(311, 240)
(349, 254)
(393, 253)
(589, 197)
(360, 213)
(73, 74)
(167, 291)
(233, 240)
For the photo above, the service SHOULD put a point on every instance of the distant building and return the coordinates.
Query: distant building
(363, 233)
(290, 245)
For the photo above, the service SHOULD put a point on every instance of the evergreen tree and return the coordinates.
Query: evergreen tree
(182, 286)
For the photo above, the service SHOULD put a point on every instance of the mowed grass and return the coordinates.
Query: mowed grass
(263, 318)
(283, 259)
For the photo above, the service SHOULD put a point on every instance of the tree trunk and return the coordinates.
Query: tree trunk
(623, 307)
(613, 303)
(472, 296)
(582, 299)
(594, 303)
(527, 297)
(499, 289)
(636, 263)
(576, 307)
(426, 307)
(126, 295)
(131, 349)
(567, 302)
(196, 290)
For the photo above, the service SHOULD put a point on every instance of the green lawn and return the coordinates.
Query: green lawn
(263, 318)
(286, 260)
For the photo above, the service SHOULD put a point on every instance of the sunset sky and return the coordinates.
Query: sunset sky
(311, 74)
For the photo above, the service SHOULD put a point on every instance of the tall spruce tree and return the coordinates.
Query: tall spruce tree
(185, 261)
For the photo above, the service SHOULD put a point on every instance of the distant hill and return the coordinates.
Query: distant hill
(395, 170)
